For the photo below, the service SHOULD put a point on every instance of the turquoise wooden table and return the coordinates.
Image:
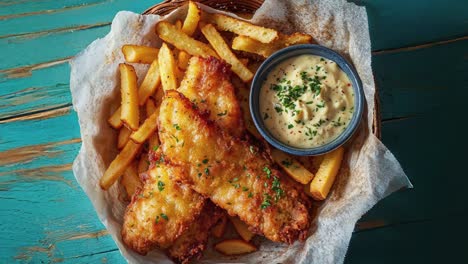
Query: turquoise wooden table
(420, 62)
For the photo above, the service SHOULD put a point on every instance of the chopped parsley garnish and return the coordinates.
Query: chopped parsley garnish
(176, 126)
(205, 161)
(266, 201)
(164, 216)
(155, 148)
(250, 195)
(207, 171)
(268, 171)
(245, 189)
(319, 123)
(338, 122)
(286, 163)
(266, 116)
(161, 186)
(290, 126)
(276, 187)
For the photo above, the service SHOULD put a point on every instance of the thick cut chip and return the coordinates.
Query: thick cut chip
(119, 164)
(326, 174)
(244, 43)
(115, 120)
(147, 128)
(233, 174)
(235, 247)
(207, 84)
(182, 41)
(192, 242)
(139, 54)
(183, 59)
(150, 107)
(167, 68)
(124, 135)
(150, 83)
(243, 94)
(130, 179)
(128, 88)
(223, 50)
(241, 228)
(292, 167)
(161, 211)
(192, 18)
(240, 27)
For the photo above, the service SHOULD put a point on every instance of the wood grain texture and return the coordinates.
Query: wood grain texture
(45, 216)
(402, 23)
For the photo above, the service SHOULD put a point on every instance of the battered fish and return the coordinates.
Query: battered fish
(235, 175)
(207, 84)
(193, 241)
(161, 211)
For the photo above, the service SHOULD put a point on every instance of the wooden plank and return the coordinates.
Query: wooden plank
(422, 81)
(401, 23)
(440, 240)
(15, 7)
(71, 43)
(45, 216)
(40, 88)
(68, 16)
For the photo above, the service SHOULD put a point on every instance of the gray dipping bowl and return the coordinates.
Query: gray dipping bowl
(293, 51)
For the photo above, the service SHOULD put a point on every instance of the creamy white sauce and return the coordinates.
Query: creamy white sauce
(306, 101)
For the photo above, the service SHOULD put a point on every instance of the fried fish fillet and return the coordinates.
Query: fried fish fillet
(161, 211)
(193, 241)
(207, 84)
(233, 174)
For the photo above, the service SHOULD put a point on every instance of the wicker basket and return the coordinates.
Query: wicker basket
(243, 7)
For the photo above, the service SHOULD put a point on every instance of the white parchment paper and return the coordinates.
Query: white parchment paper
(370, 171)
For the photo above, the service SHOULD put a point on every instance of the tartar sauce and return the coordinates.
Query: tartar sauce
(306, 101)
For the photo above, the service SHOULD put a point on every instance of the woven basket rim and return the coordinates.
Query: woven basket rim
(248, 6)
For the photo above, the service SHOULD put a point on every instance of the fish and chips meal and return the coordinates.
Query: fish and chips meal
(191, 160)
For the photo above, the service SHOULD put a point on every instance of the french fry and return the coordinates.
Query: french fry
(227, 23)
(223, 50)
(326, 174)
(150, 83)
(220, 228)
(128, 86)
(114, 121)
(124, 135)
(244, 43)
(139, 54)
(143, 163)
(235, 247)
(183, 60)
(241, 228)
(150, 107)
(119, 164)
(182, 41)
(192, 19)
(146, 129)
(167, 69)
(292, 167)
(130, 180)
(243, 97)
(178, 24)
